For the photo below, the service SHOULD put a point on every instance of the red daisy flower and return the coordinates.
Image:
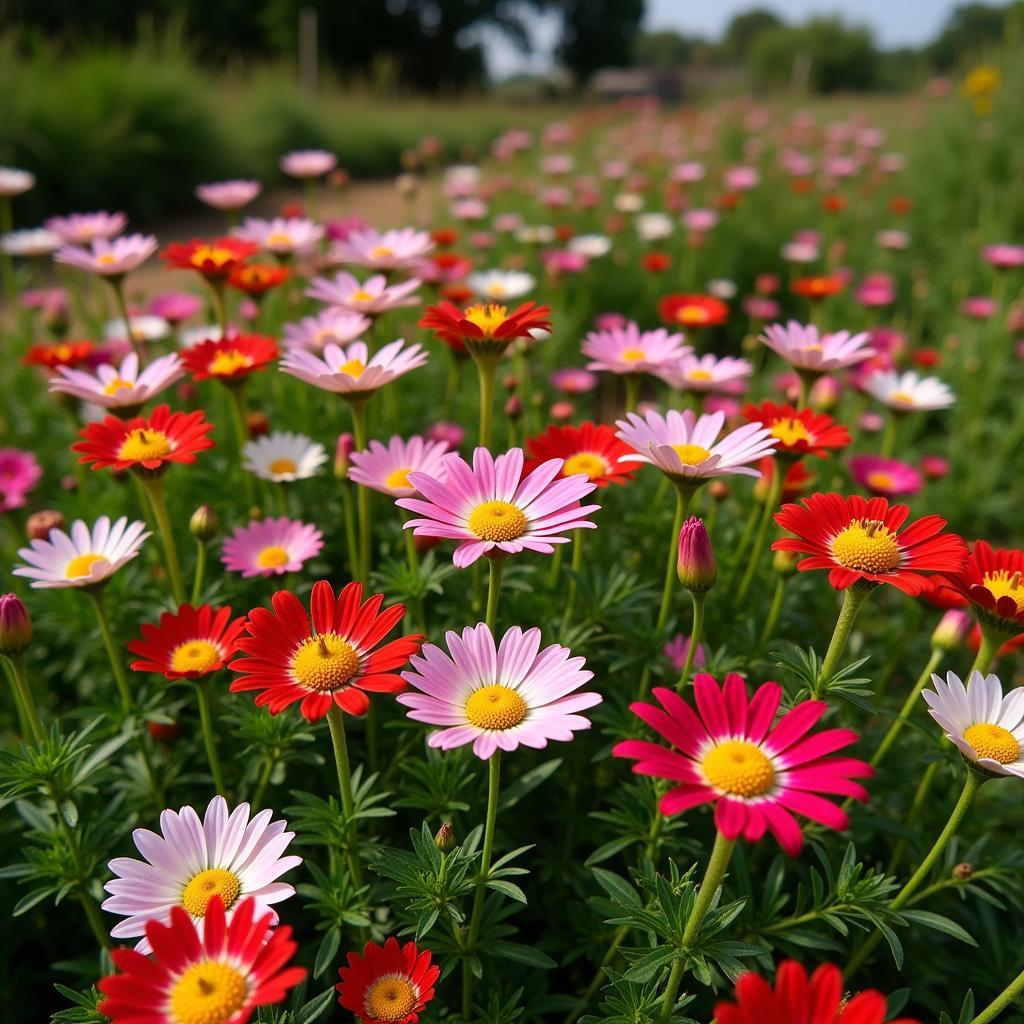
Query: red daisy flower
(214, 259)
(229, 359)
(592, 449)
(217, 974)
(62, 353)
(257, 278)
(334, 662)
(187, 644)
(992, 580)
(656, 262)
(148, 443)
(819, 999)
(693, 311)
(817, 287)
(388, 984)
(486, 329)
(859, 539)
(799, 432)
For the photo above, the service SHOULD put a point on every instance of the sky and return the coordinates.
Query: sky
(895, 23)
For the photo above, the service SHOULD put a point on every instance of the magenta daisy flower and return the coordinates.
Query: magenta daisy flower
(372, 296)
(281, 235)
(630, 350)
(331, 327)
(120, 387)
(805, 348)
(271, 547)
(352, 372)
(728, 753)
(386, 467)
(707, 373)
(492, 510)
(888, 478)
(109, 258)
(497, 697)
(388, 250)
(19, 473)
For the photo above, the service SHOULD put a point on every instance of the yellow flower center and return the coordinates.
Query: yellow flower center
(993, 741)
(700, 374)
(903, 397)
(487, 317)
(589, 463)
(282, 466)
(354, 368)
(212, 254)
(739, 768)
(495, 707)
(692, 315)
(691, 454)
(399, 479)
(279, 238)
(80, 566)
(226, 363)
(812, 347)
(790, 431)
(209, 992)
(633, 355)
(381, 252)
(880, 481)
(497, 520)
(194, 656)
(117, 384)
(496, 289)
(1002, 584)
(64, 352)
(106, 259)
(207, 884)
(272, 557)
(391, 998)
(866, 545)
(325, 663)
(142, 445)
(361, 295)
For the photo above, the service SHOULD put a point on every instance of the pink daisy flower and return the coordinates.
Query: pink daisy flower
(707, 373)
(229, 195)
(806, 349)
(630, 350)
(888, 478)
(573, 381)
(281, 235)
(728, 753)
(678, 648)
(271, 547)
(332, 326)
(1002, 255)
(373, 296)
(83, 228)
(19, 473)
(308, 163)
(686, 448)
(492, 510)
(120, 387)
(352, 372)
(388, 250)
(109, 258)
(386, 468)
(497, 697)
(175, 307)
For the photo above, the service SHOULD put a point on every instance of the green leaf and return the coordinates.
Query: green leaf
(618, 888)
(522, 954)
(315, 1008)
(508, 889)
(529, 782)
(327, 951)
(939, 923)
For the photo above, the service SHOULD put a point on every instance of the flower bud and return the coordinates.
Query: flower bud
(784, 562)
(15, 625)
(344, 448)
(952, 630)
(257, 424)
(164, 732)
(204, 524)
(562, 412)
(445, 838)
(514, 407)
(963, 871)
(40, 523)
(696, 566)
(719, 490)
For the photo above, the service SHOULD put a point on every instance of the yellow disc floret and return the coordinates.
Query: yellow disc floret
(497, 520)
(80, 566)
(589, 463)
(399, 479)
(194, 656)
(495, 707)
(325, 663)
(117, 384)
(881, 481)
(632, 355)
(272, 557)
(739, 768)
(282, 467)
(224, 364)
(902, 398)
(700, 374)
(993, 741)
(206, 254)
(354, 368)
(867, 545)
(381, 252)
(209, 992)
(790, 432)
(390, 998)
(1004, 584)
(143, 445)
(488, 318)
(691, 454)
(207, 884)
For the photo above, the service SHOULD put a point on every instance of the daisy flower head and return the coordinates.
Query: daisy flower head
(387, 250)
(187, 644)
(386, 467)
(863, 541)
(808, 350)
(30, 242)
(909, 391)
(144, 443)
(819, 999)
(109, 257)
(351, 371)
(14, 181)
(308, 163)
(591, 449)
(491, 509)
(83, 228)
(799, 432)
(332, 326)
(84, 556)
(986, 725)
(330, 657)
(887, 478)
(122, 387)
(486, 330)
(283, 236)
(271, 547)
(231, 359)
(629, 350)
(992, 580)
(213, 259)
(499, 285)
(217, 973)
(283, 456)
(229, 195)
(757, 775)
(19, 473)
(818, 287)
(389, 984)
(498, 696)
(693, 311)
(371, 297)
(60, 353)
(686, 447)
(256, 279)
(707, 373)
(572, 380)
(142, 327)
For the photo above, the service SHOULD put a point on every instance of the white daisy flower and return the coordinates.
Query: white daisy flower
(30, 242)
(909, 391)
(144, 328)
(283, 456)
(501, 284)
(591, 246)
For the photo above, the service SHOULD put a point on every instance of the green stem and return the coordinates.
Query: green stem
(486, 368)
(197, 578)
(774, 609)
(577, 569)
(206, 721)
(261, 786)
(219, 306)
(683, 497)
(239, 411)
(113, 655)
(92, 911)
(336, 722)
(806, 382)
(155, 492)
(908, 707)
(987, 651)
(745, 537)
(413, 559)
(493, 591)
(771, 502)
(6, 260)
(853, 598)
(632, 382)
(671, 990)
(914, 812)
(1009, 995)
(351, 543)
(888, 445)
(19, 705)
(117, 284)
(362, 495)
(24, 698)
(695, 635)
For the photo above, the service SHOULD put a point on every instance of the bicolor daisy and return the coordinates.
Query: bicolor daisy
(756, 774)
(271, 547)
(888, 478)
(230, 359)
(109, 257)
(389, 984)
(491, 509)
(486, 330)
(386, 467)
(498, 696)
(909, 391)
(59, 353)
(213, 259)
(798, 432)
(592, 449)
(629, 350)
(187, 644)
(992, 580)
(707, 373)
(806, 349)
(352, 372)
(327, 657)
(283, 456)
(370, 297)
(693, 311)
(120, 387)
(383, 250)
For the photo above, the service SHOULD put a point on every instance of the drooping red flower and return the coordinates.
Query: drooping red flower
(214, 259)
(332, 663)
(187, 644)
(592, 449)
(992, 581)
(147, 443)
(61, 353)
(818, 287)
(693, 310)
(486, 327)
(797, 481)
(229, 359)
(388, 984)
(799, 431)
(858, 539)
(258, 278)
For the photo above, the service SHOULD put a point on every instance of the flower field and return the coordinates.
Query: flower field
(596, 600)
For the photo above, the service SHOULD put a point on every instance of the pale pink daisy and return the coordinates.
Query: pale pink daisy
(352, 371)
(386, 467)
(83, 557)
(14, 181)
(30, 243)
(372, 296)
(271, 547)
(331, 327)
(229, 195)
(120, 387)
(109, 258)
(630, 350)
(83, 228)
(387, 250)
(308, 163)
(498, 697)
(707, 373)
(225, 854)
(686, 448)
(805, 348)
(490, 508)
(283, 236)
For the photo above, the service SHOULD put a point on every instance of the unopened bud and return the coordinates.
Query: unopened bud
(445, 838)
(510, 382)
(257, 424)
(342, 450)
(719, 490)
(784, 562)
(952, 630)
(963, 871)
(164, 732)
(204, 524)
(561, 412)
(15, 625)
(696, 565)
(40, 523)
(514, 407)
